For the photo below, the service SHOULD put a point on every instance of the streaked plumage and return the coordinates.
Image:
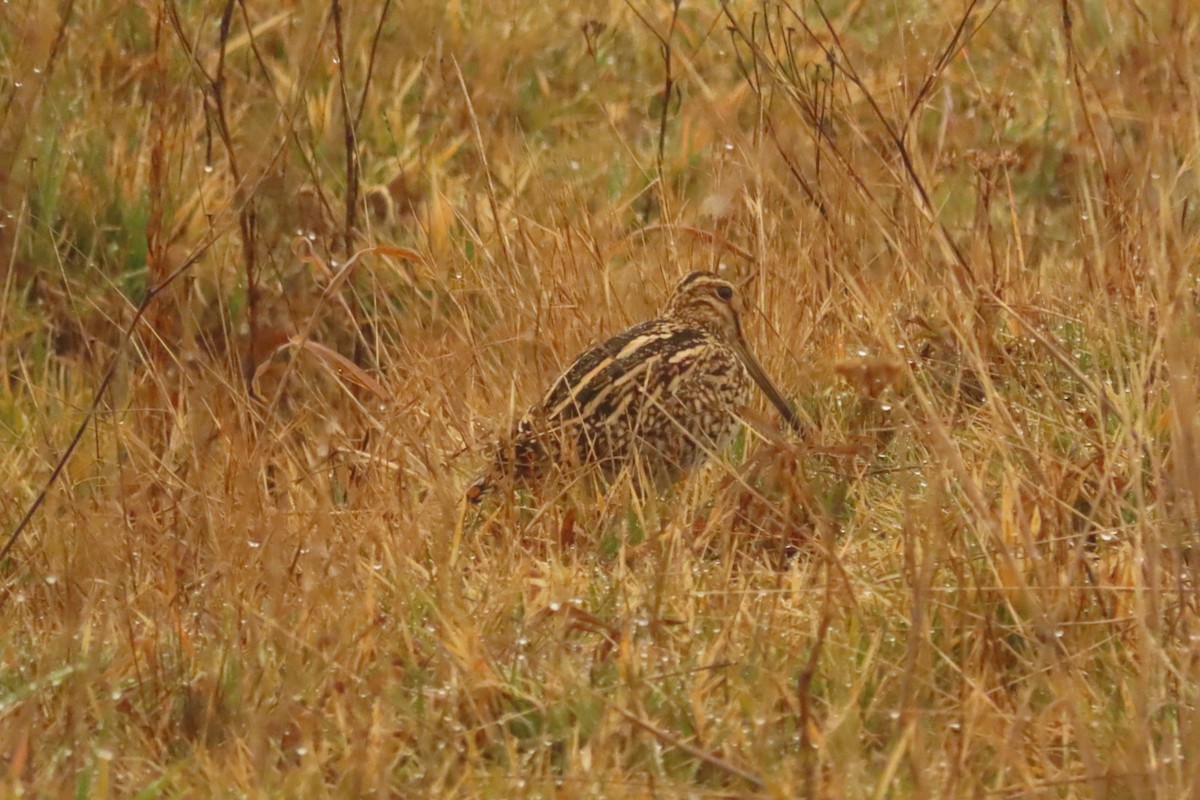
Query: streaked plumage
(668, 391)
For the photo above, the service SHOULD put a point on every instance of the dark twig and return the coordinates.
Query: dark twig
(957, 40)
(348, 134)
(664, 43)
(838, 54)
(668, 86)
(362, 100)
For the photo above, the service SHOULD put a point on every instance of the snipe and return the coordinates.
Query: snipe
(667, 392)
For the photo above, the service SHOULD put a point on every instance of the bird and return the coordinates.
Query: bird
(668, 392)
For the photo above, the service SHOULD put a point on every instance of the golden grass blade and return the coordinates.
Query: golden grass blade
(703, 755)
(342, 368)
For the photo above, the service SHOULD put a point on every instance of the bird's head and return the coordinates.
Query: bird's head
(703, 300)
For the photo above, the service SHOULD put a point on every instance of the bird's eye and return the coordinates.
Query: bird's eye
(725, 293)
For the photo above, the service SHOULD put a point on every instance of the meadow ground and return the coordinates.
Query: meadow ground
(972, 231)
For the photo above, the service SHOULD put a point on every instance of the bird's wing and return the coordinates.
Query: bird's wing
(629, 362)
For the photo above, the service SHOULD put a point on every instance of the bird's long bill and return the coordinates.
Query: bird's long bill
(774, 395)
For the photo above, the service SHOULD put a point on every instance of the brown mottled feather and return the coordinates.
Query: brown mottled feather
(668, 391)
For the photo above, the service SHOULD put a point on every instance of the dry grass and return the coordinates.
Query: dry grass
(975, 242)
